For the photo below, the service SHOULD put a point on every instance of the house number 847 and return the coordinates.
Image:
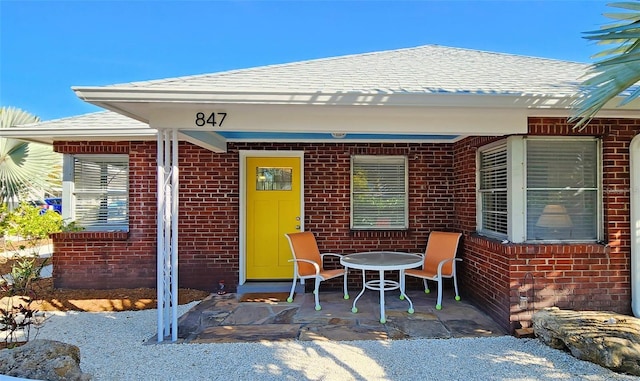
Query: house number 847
(214, 119)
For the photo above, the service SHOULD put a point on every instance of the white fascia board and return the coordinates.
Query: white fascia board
(612, 109)
(396, 120)
(344, 140)
(112, 95)
(619, 113)
(77, 133)
(31, 139)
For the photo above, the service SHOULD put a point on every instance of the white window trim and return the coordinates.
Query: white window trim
(242, 218)
(479, 204)
(522, 203)
(68, 184)
(406, 194)
(517, 192)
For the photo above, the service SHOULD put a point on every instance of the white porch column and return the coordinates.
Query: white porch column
(167, 237)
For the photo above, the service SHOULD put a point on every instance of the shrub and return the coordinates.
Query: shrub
(17, 316)
(16, 313)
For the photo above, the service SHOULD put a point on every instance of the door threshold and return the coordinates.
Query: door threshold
(279, 286)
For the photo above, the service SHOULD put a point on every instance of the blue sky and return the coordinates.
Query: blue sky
(48, 46)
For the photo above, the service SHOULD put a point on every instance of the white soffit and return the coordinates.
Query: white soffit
(350, 120)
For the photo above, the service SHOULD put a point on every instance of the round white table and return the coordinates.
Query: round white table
(382, 261)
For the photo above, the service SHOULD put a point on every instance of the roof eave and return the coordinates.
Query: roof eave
(49, 135)
(103, 96)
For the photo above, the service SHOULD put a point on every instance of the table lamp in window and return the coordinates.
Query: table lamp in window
(555, 218)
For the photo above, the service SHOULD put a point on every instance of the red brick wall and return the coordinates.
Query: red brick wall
(577, 276)
(209, 212)
(442, 197)
(113, 259)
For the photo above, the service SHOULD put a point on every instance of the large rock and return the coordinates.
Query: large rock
(608, 339)
(43, 360)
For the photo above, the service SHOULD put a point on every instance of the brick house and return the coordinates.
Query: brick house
(373, 151)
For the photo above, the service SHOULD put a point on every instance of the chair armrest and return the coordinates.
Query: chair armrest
(331, 255)
(315, 265)
(454, 260)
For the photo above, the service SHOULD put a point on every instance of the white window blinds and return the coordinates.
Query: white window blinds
(562, 189)
(493, 191)
(101, 186)
(379, 192)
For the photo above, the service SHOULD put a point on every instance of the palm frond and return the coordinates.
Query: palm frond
(626, 5)
(622, 16)
(620, 60)
(619, 71)
(24, 167)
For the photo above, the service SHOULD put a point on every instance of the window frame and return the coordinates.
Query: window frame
(70, 192)
(599, 228)
(481, 192)
(405, 213)
(517, 189)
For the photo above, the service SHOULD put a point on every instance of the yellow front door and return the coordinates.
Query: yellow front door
(273, 209)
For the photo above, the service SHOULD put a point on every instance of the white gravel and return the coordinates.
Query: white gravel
(112, 347)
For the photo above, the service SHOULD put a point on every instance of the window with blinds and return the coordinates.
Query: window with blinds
(379, 197)
(540, 189)
(562, 188)
(493, 180)
(101, 192)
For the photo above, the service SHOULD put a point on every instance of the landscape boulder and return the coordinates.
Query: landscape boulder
(608, 339)
(43, 360)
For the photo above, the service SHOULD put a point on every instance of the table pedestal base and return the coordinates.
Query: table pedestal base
(383, 285)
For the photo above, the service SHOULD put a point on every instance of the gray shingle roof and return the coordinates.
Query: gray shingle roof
(429, 69)
(92, 121)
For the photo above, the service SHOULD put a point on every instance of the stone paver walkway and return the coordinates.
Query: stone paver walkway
(221, 318)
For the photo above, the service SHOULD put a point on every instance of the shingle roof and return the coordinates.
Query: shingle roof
(429, 69)
(95, 120)
(92, 126)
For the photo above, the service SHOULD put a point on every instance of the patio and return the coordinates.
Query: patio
(223, 319)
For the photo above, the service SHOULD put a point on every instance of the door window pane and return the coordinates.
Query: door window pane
(273, 179)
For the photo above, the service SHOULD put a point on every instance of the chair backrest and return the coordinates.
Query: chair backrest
(304, 246)
(441, 246)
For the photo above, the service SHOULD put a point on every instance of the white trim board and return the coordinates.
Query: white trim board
(242, 220)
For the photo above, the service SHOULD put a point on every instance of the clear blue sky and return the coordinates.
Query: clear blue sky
(48, 46)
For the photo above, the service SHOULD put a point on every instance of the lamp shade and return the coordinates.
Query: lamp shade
(554, 216)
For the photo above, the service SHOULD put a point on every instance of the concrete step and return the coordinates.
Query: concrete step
(248, 287)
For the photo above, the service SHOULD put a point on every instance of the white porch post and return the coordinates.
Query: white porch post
(167, 237)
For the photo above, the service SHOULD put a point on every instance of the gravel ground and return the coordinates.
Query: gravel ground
(112, 347)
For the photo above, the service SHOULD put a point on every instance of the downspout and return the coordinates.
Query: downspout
(634, 192)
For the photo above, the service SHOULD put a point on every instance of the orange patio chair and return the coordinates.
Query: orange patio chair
(308, 264)
(439, 262)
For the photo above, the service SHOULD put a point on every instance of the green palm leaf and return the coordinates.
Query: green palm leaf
(25, 167)
(626, 5)
(618, 73)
